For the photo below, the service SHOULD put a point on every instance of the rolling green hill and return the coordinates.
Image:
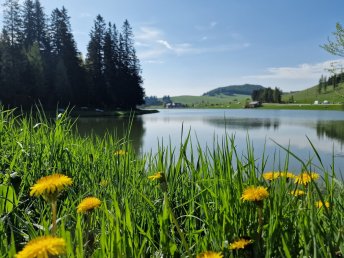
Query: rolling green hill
(310, 95)
(219, 101)
(245, 89)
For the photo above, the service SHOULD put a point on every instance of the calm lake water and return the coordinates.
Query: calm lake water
(265, 128)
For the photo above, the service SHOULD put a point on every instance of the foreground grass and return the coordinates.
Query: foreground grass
(195, 205)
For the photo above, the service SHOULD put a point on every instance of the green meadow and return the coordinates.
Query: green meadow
(195, 204)
(308, 96)
(218, 101)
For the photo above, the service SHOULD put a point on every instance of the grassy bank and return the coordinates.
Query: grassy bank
(160, 204)
(339, 107)
(308, 96)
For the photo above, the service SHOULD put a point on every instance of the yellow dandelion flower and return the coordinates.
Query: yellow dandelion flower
(305, 177)
(88, 204)
(271, 175)
(255, 194)
(275, 175)
(156, 176)
(287, 175)
(320, 204)
(120, 152)
(210, 254)
(240, 244)
(50, 186)
(297, 192)
(45, 246)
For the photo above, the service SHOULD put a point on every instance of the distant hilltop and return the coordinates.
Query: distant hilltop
(245, 89)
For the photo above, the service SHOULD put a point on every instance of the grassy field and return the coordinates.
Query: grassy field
(221, 101)
(338, 107)
(158, 204)
(308, 96)
(303, 100)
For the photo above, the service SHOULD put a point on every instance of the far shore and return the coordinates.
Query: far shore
(293, 106)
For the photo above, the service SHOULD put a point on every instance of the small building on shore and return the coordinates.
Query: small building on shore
(174, 105)
(253, 104)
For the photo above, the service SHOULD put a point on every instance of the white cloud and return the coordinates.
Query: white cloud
(154, 61)
(165, 43)
(148, 34)
(152, 43)
(295, 78)
(85, 15)
(150, 54)
(208, 26)
(303, 71)
(213, 24)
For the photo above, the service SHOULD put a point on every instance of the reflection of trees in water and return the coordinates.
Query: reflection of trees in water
(244, 123)
(331, 129)
(117, 126)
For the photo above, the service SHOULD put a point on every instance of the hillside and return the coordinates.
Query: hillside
(311, 94)
(245, 89)
(219, 101)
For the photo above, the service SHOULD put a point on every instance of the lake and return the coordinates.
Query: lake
(265, 129)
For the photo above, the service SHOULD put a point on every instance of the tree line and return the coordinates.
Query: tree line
(334, 80)
(267, 95)
(39, 61)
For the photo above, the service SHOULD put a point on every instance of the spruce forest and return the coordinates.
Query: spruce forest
(40, 61)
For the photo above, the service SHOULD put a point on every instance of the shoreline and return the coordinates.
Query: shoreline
(334, 107)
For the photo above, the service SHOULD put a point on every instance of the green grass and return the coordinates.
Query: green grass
(338, 107)
(221, 101)
(197, 208)
(311, 94)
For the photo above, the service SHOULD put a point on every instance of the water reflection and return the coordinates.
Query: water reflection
(115, 126)
(331, 129)
(244, 123)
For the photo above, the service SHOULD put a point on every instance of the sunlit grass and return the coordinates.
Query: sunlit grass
(161, 204)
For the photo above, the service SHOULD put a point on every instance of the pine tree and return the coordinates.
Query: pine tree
(41, 28)
(13, 60)
(62, 85)
(134, 93)
(12, 22)
(35, 76)
(65, 54)
(110, 65)
(95, 62)
(277, 95)
(28, 16)
(320, 84)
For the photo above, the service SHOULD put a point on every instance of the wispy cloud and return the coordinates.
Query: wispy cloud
(297, 77)
(148, 34)
(154, 61)
(165, 44)
(152, 43)
(85, 15)
(208, 26)
(302, 71)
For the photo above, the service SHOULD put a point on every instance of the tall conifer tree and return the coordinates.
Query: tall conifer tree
(95, 62)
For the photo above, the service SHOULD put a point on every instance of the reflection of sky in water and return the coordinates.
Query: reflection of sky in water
(263, 127)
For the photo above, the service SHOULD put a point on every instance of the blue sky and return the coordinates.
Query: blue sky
(187, 47)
